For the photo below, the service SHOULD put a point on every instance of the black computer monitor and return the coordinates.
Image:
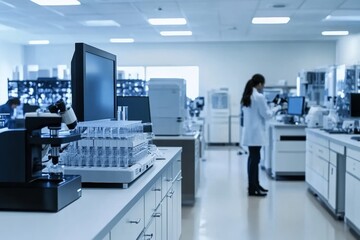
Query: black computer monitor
(93, 83)
(138, 109)
(355, 105)
(296, 106)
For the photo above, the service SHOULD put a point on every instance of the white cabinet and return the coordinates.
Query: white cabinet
(157, 214)
(163, 205)
(352, 198)
(325, 171)
(332, 186)
(317, 164)
(287, 150)
(132, 224)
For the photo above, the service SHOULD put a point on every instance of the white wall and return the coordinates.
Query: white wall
(11, 55)
(348, 50)
(220, 64)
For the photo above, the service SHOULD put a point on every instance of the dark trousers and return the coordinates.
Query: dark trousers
(253, 167)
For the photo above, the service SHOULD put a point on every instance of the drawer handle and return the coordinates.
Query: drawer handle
(135, 221)
(179, 160)
(157, 189)
(169, 180)
(171, 193)
(179, 178)
(149, 235)
(156, 215)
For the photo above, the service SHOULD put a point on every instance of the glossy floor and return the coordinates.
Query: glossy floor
(224, 211)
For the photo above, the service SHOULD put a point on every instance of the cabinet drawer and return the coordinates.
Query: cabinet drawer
(290, 146)
(166, 183)
(321, 151)
(309, 146)
(158, 191)
(333, 158)
(337, 148)
(176, 167)
(321, 167)
(353, 167)
(355, 154)
(132, 224)
(150, 202)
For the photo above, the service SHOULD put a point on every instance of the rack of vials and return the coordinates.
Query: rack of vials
(109, 152)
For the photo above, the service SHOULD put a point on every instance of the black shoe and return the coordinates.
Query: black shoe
(263, 189)
(257, 193)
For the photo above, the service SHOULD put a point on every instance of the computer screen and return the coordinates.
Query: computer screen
(355, 105)
(296, 106)
(138, 107)
(93, 83)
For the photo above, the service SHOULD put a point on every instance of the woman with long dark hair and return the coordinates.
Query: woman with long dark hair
(256, 112)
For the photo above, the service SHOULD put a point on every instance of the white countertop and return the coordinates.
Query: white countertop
(93, 215)
(274, 123)
(344, 139)
(190, 136)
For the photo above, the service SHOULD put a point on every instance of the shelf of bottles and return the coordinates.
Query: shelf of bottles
(312, 85)
(41, 92)
(347, 81)
(131, 87)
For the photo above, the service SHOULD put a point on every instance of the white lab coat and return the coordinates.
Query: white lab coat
(255, 116)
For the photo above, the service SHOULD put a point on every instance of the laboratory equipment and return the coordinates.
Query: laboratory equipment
(219, 116)
(355, 105)
(347, 82)
(312, 85)
(66, 112)
(314, 118)
(93, 83)
(23, 184)
(112, 153)
(168, 105)
(331, 120)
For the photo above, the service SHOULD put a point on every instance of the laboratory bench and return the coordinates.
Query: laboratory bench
(333, 173)
(190, 164)
(151, 206)
(284, 156)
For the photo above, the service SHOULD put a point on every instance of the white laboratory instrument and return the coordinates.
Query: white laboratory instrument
(331, 120)
(314, 118)
(110, 152)
(168, 105)
(219, 115)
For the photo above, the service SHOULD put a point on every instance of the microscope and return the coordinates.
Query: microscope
(23, 184)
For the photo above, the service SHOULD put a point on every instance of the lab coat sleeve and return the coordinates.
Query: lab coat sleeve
(264, 110)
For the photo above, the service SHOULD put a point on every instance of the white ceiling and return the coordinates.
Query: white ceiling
(209, 20)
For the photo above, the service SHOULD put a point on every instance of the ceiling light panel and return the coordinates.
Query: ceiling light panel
(101, 23)
(121, 40)
(56, 2)
(347, 18)
(270, 20)
(39, 42)
(335, 33)
(167, 21)
(175, 33)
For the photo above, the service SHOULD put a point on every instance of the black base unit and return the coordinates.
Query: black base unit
(42, 195)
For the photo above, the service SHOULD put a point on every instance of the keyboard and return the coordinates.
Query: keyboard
(335, 131)
(356, 138)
